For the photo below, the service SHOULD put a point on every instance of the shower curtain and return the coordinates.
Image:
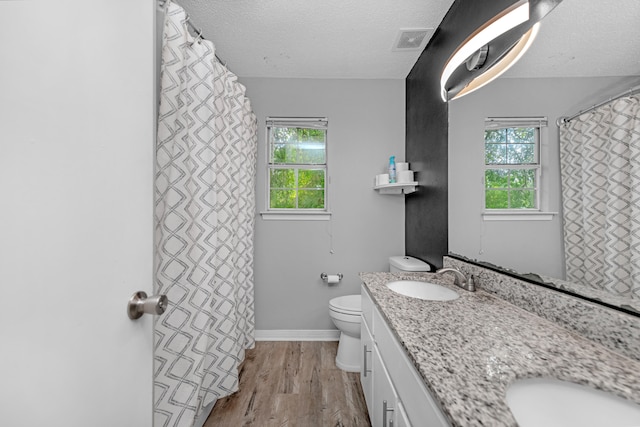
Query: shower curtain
(600, 170)
(204, 217)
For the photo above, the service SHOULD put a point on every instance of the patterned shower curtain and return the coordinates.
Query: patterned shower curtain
(204, 216)
(600, 169)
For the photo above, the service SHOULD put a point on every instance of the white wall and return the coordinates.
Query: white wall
(366, 126)
(526, 246)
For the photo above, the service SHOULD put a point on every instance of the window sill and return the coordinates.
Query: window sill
(518, 216)
(295, 216)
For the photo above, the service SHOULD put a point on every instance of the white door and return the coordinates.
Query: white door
(76, 159)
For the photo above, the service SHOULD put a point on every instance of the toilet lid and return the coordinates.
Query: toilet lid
(350, 304)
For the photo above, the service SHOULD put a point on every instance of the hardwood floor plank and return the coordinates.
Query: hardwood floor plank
(310, 407)
(270, 383)
(328, 350)
(293, 384)
(292, 368)
(232, 409)
(310, 367)
(332, 397)
(354, 397)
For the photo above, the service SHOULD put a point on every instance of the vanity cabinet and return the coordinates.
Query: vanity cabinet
(394, 392)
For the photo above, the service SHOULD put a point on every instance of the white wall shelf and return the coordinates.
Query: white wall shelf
(397, 188)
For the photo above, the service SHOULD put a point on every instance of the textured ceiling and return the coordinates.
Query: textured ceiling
(314, 38)
(354, 38)
(585, 38)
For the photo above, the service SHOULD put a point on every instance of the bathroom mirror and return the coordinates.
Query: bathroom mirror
(577, 61)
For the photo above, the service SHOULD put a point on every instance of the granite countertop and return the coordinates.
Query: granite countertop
(470, 349)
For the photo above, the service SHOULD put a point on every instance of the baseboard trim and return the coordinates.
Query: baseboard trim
(297, 335)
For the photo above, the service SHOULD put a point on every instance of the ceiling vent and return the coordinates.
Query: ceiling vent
(409, 39)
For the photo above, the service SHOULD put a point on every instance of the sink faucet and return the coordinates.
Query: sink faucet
(460, 279)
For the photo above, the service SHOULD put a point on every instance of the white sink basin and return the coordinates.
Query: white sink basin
(422, 290)
(550, 402)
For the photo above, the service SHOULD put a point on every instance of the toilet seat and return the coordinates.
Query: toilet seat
(348, 304)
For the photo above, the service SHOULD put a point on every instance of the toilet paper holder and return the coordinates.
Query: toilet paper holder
(325, 276)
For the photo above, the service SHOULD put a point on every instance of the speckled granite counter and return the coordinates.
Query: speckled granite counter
(470, 349)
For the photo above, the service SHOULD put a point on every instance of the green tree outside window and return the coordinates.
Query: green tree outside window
(511, 168)
(297, 167)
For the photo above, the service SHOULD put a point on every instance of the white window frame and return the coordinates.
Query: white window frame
(529, 214)
(307, 214)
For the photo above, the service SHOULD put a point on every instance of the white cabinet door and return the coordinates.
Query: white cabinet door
(366, 363)
(385, 398)
(401, 420)
(76, 171)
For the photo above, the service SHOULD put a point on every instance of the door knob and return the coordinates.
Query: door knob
(139, 304)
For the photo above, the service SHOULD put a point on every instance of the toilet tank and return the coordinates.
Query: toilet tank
(407, 264)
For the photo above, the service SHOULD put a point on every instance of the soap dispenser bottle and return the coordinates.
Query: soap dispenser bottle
(392, 170)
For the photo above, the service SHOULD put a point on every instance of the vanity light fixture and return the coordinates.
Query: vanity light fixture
(503, 64)
(508, 19)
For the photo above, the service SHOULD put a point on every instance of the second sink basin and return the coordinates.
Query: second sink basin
(553, 403)
(422, 290)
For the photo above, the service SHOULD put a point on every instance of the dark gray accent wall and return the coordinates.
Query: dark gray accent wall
(426, 211)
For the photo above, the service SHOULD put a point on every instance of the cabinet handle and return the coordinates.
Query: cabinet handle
(365, 370)
(386, 409)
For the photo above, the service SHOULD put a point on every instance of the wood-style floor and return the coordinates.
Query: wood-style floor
(293, 384)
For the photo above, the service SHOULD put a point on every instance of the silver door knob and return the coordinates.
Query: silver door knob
(139, 304)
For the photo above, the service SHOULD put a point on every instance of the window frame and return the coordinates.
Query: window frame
(536, 213)
(297, 213)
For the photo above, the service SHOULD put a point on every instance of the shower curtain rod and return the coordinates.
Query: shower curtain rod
(198, 31)
(630, 92)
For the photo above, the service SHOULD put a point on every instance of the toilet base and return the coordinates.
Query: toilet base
(348, 357)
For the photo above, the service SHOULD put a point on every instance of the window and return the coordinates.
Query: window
(297, 166)
(512, 169)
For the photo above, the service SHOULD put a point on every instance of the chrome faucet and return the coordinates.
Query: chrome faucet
(460, 279)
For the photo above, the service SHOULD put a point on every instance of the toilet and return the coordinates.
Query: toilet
(345, 312)
(407, 264)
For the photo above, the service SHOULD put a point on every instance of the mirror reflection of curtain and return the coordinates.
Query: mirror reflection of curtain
(600, 172)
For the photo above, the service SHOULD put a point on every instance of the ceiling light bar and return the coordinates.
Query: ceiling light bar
(505, 21)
